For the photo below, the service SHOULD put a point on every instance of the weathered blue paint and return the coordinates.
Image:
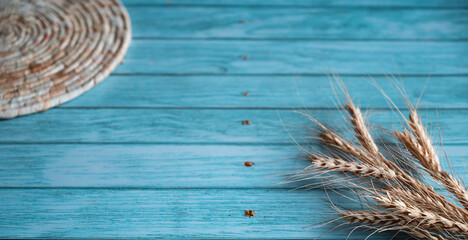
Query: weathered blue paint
(195, 126)
(164, 213)
(158, 165)
(267, 92)
(299, 23)
(158, 149)
(243, 57)
(437, 4)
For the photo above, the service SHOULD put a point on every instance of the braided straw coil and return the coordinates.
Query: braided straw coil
(51, 51)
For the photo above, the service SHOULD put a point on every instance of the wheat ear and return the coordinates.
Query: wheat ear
(425, 219)
(334, 140)
(431, 201)
(354, 168)
(423, 150)
(367, 142)
(365, 139)
(372, 154)
(362, 133)
(431, 161)
(399, 200)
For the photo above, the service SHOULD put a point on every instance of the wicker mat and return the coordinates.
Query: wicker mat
(51, 51)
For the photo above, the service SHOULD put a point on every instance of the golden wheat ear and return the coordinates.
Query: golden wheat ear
(401, 201)
(420, 145)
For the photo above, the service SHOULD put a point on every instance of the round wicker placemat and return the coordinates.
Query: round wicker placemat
(51, 51)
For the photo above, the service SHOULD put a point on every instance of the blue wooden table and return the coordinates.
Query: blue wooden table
(158, 149)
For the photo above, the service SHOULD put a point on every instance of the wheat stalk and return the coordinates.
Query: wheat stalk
(403, 202)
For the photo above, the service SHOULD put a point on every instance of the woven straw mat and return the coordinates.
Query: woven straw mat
(51, 51)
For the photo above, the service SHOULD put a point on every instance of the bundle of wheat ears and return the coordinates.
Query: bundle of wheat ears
(392, 179)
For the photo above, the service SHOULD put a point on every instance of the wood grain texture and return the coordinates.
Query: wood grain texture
(149, 214)
(157, 150)
(181, 57)
(159, 165)
(152, 166)
(267, 92)
(205, 126)
(299, 23)
(302, 3)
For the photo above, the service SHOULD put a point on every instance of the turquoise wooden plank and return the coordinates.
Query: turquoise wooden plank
(266, 92)
(159, 166)
(181, 57)
(298, 23)
(89, 185)
(168, 214)
(203, 126)
(301, 3)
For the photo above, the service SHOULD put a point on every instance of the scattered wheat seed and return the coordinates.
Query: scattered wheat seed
(248, 164)
(249, 213)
